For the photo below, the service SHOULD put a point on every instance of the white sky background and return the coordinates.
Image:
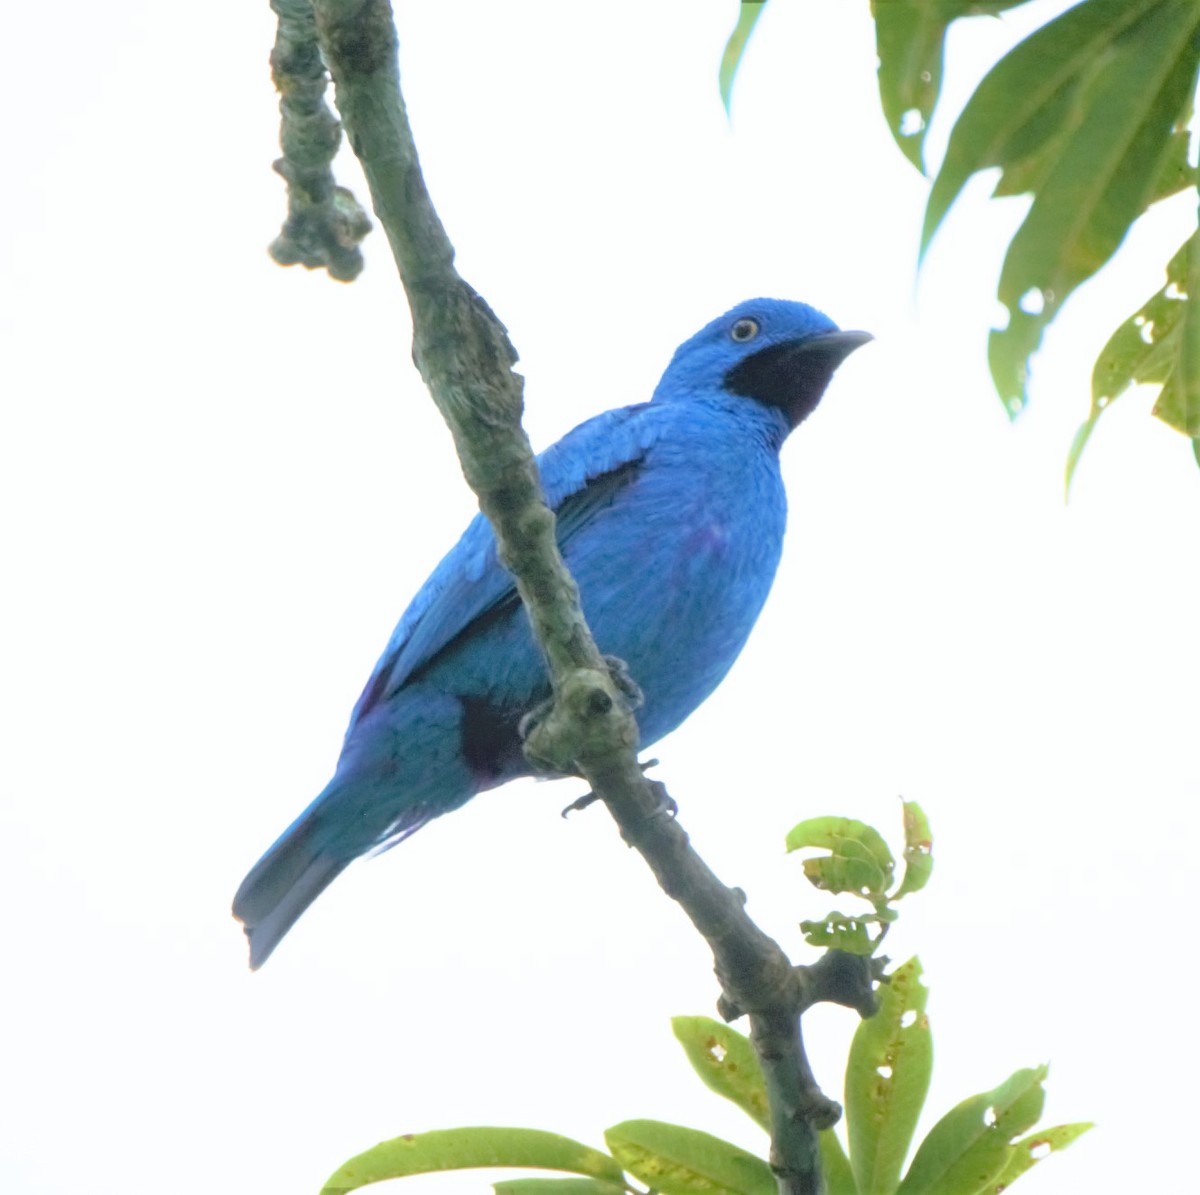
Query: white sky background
(222, 481)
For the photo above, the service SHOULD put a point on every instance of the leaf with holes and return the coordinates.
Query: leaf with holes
(466, 1149)
(1103, 177)
(1026, 99)
(918, 847)
(887, 1079)
(836, 931)
(1178, 402)
(726, 1063)
(675, 1160)
(860, 860)
(1157, 345)
(748, 13)
(910, 37)
(1087, 114)
(1031, 1150)
(968, 1150)
(849, 869)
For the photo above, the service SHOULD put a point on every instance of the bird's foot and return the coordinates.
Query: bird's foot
(623, 682)
(531, 718)
(580, 804)
(626, 685)
(666, 807)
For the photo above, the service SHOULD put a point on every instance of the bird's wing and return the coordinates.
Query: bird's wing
(581, 475)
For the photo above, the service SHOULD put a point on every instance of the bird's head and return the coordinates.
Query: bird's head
(776, 352)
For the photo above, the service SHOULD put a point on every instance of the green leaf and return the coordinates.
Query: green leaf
(836, 931)
(849, 869)
(677, 1161)
(1078, 444)
(1103, 176)
(835, 1166)
(557, 1186)
(1157, 345)
(1177, 173)
(830, 832)
(748, 13)
(860, 860)
(1024, 99)
(1031, 1150)
(1035, 152)
(726, 1062)
(970, 1147)
(1178, 402)
(910, 37)
(887, 1078)
(463, 1149)
(918, 847)
(1146, 346)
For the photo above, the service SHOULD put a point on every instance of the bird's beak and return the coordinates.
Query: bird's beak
(793, 375)
(839, 345)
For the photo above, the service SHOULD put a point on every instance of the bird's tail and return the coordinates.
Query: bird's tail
(283, 883)
(377, 797)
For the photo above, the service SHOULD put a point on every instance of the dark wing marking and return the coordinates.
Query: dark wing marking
(581, 474)
(571, 517)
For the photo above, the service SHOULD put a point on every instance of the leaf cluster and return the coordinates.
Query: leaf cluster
(1089, 116)
(980, 1147)
(860, 863)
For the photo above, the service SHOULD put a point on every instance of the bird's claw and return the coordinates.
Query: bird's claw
(580, 804)
(622, 680)
(618, 670)
(532, 717)
(666, 805)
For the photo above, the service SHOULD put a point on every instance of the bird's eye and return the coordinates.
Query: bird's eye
(743, 330)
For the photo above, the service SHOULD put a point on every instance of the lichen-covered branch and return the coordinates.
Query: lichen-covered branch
(464, 354)
(325, 223)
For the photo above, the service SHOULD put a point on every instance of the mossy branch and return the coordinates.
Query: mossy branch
(325, 223)
(465, 357)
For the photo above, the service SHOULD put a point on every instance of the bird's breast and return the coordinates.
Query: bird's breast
(679, 576)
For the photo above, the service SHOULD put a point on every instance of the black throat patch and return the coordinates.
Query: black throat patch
(793, 376)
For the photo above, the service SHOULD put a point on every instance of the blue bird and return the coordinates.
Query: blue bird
(670, 514)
